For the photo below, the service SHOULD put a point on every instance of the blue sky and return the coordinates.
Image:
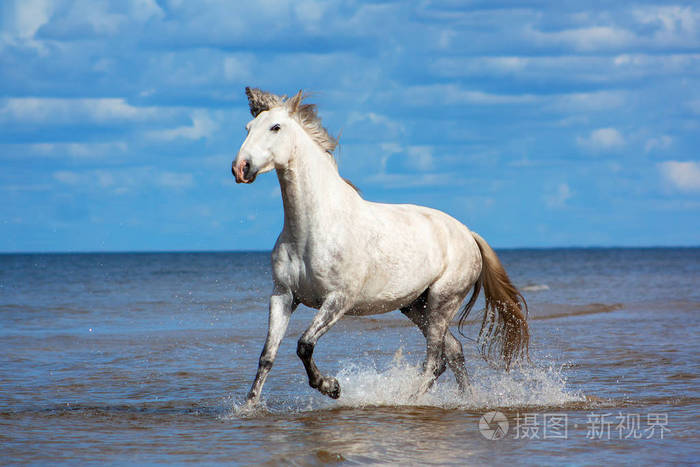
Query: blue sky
(536, 123)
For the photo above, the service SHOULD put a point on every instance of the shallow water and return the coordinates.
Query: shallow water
(147, 358)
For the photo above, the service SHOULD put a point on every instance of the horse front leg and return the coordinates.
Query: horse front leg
(333, 308)
(282, 305)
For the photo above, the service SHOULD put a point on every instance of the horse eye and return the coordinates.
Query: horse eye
(275, 127)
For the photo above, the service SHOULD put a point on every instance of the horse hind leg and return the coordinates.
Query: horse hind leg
(417, 313)
(432, 315)
(454, 355)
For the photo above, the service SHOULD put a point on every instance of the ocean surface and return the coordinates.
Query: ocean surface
(147, 358)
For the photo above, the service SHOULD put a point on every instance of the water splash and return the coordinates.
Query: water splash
(395, 385)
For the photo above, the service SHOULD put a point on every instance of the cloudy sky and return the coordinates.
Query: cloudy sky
(537, 123)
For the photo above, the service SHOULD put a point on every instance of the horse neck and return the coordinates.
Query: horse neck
(312, 190)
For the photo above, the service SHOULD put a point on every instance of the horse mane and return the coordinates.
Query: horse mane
(305, 114)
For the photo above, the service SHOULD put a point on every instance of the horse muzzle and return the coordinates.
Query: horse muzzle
(243, 171)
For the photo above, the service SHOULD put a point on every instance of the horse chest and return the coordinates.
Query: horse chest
(310, 274)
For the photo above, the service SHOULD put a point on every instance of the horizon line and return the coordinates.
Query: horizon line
(520, 248)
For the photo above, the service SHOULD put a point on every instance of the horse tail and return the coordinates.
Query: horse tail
(504, 326)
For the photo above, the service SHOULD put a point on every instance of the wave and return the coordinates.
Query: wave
(534, 288)
(542, 311)
(551, 311)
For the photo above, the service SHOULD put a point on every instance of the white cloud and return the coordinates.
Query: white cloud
(507, 63)
(684, 176)
(694, 106)
(421, 157)
(602, 139)
(418, 157)
(362, 124)
(124, 180)
(468, 66)
(607, 137)
(175, 180)
(20, 20)
(202, 126)
(216, 161)
(32, 187)
(310, 13)
(410, 180)
(77, 150)
(671, 24)
(390, 147)
(574, 121)
(104, 178)
(102, 18)
(646, 66)
(587, 39)
(451, 94)
(559, 196)
(589, 101)
(650, 26)
(570, 68)
(67, 177)
(98, 16)
(143, 10)
(29, 16)
(237, 68)
(46, 110)
(660, 143)
(445, 38)
(479, 97)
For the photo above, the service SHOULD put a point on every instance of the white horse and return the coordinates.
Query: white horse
(343, 255)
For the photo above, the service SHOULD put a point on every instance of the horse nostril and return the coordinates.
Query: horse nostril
(246, 169)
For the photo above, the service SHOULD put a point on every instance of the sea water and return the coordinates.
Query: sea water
(146, 358)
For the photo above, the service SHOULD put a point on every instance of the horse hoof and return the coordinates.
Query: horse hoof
(335, 390)
(331, 388)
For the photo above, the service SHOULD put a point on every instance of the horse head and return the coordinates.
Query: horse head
(271, 133)
(270, 137)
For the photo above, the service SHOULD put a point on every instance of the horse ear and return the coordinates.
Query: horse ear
(260, 101)
(294, 102)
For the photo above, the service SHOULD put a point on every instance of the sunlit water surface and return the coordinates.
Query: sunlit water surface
(147, 358)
